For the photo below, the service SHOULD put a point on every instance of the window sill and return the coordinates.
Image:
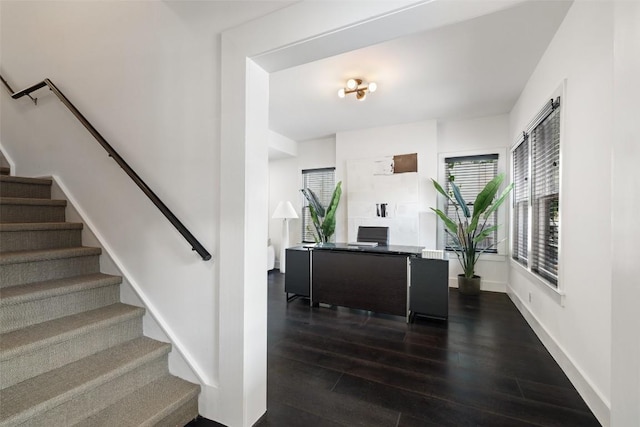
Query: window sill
(484, 257)
(551, 291)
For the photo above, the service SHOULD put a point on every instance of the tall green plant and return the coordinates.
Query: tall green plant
(468, 231)
(324, 219)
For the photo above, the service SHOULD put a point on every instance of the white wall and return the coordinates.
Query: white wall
(481, 135)
(285, 182)
(625, 203)
(417, 137)
(577, 331)
(280, 146)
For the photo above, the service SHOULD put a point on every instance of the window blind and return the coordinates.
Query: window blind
(545, 192)
(322, 183)
(471, 174)
(536, 196)
(519, 250)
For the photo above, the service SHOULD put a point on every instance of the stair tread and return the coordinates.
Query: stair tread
(64, 328)
(47, 254)
(31, 201)
(40, 226)
(146, 406)
(49, 288)
(48, 390)
(26, 180)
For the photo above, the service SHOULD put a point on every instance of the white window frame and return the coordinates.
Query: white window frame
(503, 218)
(556, 292)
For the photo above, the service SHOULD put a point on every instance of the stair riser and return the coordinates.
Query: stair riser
(23, 190)
(29, 272)
(25, 366)
(29, 313)
(39, 239)
(86, 403)
(31, 213)
(182, 415)
(166, 402)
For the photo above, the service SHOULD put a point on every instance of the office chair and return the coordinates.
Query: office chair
(380, 235)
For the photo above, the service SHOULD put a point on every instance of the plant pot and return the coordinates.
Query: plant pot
(469, 285)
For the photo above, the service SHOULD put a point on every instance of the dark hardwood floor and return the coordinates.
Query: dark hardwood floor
(341, 367)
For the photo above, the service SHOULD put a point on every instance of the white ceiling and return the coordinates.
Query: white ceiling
(469, 69)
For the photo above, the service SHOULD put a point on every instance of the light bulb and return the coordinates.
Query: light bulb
(341, 93)
(372, 87)
(352, 84)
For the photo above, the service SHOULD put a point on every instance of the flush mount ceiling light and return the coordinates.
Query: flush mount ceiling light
(358, 87)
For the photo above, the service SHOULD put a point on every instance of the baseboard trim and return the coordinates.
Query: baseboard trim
(600, 407)
(177, 345)
(208, 402)
(485, 285)
(12, 165)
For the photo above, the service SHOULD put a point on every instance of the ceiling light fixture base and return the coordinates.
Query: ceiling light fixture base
(359, 87)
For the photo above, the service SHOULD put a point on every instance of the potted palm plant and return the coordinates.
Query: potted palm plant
(469, 230)
(323, 218)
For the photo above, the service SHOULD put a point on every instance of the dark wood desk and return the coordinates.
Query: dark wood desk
(362, 277)
(384, 279)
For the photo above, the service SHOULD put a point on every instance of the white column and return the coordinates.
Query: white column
(625, 203)
(242, 364)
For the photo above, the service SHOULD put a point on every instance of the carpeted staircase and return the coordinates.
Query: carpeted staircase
(70, 353)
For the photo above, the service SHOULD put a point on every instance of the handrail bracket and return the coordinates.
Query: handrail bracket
(8, 87)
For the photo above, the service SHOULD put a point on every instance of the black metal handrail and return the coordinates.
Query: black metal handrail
(195, 244)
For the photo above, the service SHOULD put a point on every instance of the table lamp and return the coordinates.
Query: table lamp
(285, 211)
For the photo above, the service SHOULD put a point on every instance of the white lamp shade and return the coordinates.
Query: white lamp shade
(285, 210)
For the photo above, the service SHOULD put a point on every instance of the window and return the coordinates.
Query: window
(471, 174)
(520, 243)
(321, 182)
(536, 201)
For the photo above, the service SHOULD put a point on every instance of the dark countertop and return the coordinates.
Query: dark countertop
(345, 247)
